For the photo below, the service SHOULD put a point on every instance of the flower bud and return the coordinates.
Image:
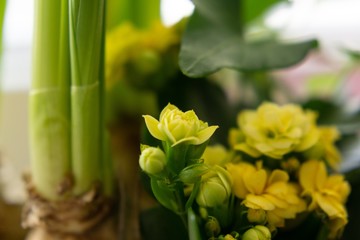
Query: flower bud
(258, 232)
(152, 160)
(215, 187)
(256, 216)
(212, 226)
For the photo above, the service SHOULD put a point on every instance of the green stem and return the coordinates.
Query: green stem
(86, 50)
(193, 228)
(49, 110)
(142, 13)
(180, 200)
(2, 15)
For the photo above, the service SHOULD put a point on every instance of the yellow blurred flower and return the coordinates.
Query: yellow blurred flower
(215, 155)
(271, 192)
(325, 148)
(178, 127)
(133, 54)
(275, 130)
(329, 193)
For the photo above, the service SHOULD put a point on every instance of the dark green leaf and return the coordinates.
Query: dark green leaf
(214, 40)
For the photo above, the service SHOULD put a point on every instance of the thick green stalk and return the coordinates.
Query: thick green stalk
(2, 15)
(142, 13)
(50, 98)
(86, 49)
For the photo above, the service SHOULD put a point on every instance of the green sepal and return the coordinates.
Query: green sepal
(165, 194)
(195, 152)
(193, 173)
(176, 156)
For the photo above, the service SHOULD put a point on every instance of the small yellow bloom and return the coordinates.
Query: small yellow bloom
(329, 193)
(178, 127)
(290, 165)
(275, 130)
(325, 148)
(215, 187)
(272, 192)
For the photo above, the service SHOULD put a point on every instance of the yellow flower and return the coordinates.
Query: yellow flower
(325, 148)
(178, 127)
(275, 130)
(329, 193)
(272, 192)
(137, 55)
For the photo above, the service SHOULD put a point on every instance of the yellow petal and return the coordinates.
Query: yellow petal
(237, 172)
(309, 140)
(189, 140)
(278, 189)
(278, 176)
(276, 201)
(331, 206)
(312, 175)
(205, 134)
(255, 181)
(260, 201)
(166, 109)
(247, 149)
(152, 125)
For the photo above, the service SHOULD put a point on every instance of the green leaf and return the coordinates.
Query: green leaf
(214, 39)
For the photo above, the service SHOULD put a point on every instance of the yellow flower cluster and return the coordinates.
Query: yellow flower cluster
(136, 55)
(306, 151)
(285, 175)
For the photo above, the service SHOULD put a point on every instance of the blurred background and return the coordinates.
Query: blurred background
(332, 22)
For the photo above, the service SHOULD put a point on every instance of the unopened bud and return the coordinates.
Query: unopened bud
(215, 187)
(212, 227)
(258, 232)
(256, 216)
(152, 160)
